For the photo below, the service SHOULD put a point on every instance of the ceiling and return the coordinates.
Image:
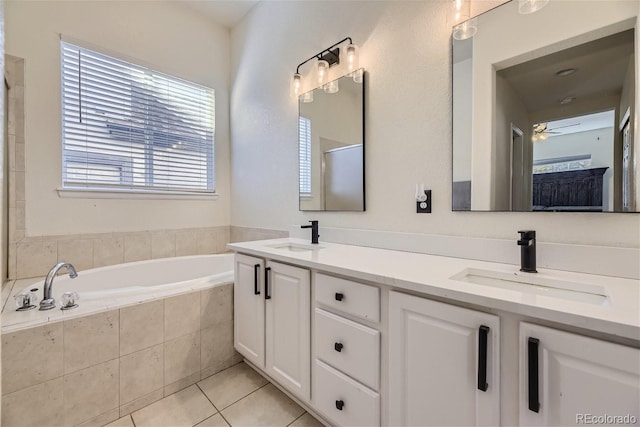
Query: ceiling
(601, 68)
(224, 12)
(605, 119)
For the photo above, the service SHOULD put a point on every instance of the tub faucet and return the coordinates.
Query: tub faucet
(48, 302)
(314, 231)
(527, 245)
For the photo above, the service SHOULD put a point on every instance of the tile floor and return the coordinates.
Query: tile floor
(236, 397)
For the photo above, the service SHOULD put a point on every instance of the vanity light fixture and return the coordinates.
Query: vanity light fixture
(326, 59)
(530, 6)
(463, 26)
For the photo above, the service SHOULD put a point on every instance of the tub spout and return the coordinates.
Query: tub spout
(48, 302)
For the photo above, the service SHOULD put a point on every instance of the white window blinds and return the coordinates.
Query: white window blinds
(304, 136)
(128, 127)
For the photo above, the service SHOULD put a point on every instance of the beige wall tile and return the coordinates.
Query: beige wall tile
(206, 241)
(36, 258)
(141, 402)
(186, 242)
(31, 356)
(90, 392)
(141, 326)
(20, 215)
(101, 419)
(181, 315)
(223, 236)
(77, 252)
(90, 340)
(141, 373)
(181, 357)
(181, 384)
(185, 408)
(137, 247)
(40, 405)
(20, 189)
(108, 251)
(19, 159)
(216, 305)
(163, 244)
(217, 348)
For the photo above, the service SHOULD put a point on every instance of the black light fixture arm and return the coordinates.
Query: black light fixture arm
(320, 54)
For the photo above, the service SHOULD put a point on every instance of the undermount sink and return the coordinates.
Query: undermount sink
(295, 247)
(536, 284)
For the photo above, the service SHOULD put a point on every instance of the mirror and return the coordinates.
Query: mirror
(544, 110)
(331, 147)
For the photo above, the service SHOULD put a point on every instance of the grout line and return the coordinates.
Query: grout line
(245, 396)
(132, 421)
(212, 375)
(297, 418)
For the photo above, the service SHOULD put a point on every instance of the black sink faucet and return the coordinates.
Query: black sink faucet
(314, 231)
(527, 251)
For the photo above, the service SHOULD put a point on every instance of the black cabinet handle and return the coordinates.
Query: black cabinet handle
(483, 333)
(339, 296)
(534, 402)
(256, 272)
(338, 347)
(266, 283)
(339, 405)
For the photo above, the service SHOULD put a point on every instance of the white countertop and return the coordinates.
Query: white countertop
(431, 275)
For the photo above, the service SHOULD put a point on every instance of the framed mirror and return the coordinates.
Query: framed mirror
(331, 146)
(544, 107)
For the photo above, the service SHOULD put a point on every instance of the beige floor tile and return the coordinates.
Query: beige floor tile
(266, 407)
(185, 408)
(231, 385)
(122, 422)
(215, 421)
(306, 420)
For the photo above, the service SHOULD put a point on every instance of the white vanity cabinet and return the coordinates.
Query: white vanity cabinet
(565, 378)
(444, 364)
(272, 320)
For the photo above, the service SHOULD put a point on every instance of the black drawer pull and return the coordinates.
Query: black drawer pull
(339, 296)
(534, 402)
(339, 405)
(267, 295)
(338, 347)
(483, 332)
(256, 272)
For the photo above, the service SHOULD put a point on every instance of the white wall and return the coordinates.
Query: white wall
(164, 35)
(598, 143)
(405, 46)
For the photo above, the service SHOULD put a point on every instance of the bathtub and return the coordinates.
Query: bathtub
(121, 285)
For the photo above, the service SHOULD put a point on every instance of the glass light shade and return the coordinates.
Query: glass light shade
(307, 97)
(530, 6)
(322, 71)
(461, 11)
(352, 54)
(357, 75)
(296, 85)
(331, 87)
(465, 30)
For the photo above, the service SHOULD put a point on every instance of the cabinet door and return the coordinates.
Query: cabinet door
(248, 306)
(288, 327)
(566, 378)
(440, 357)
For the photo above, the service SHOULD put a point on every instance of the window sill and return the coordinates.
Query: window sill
(110, 193)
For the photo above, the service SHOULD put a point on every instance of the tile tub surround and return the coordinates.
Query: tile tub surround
(36, 255)
(104, 366)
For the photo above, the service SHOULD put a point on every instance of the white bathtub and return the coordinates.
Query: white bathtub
(122, 285)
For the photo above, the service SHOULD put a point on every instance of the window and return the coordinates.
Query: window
(131, 128)
(304, 140)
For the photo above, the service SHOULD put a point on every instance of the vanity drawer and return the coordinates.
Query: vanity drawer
(350, 297)
(348, 346)
(344, 401)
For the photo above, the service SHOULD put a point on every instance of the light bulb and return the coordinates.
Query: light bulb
(530, 6)
(352, 57)
(307, 97)
(331, 87)
(465, 30)
(322, 71)
(461, 11)
(358, 75)
(296, 85)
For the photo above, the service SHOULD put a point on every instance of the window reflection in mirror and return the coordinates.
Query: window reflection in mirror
(546, 124)
(331, 148)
